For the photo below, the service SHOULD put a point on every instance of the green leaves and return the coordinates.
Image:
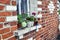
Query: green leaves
(24, 17)
(21, 18)
(59, 11)
(30, 18)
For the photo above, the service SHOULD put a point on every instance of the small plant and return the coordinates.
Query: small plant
(21, 18)
(24, 15)
(30, 18)
(30, 21)
(59, 11)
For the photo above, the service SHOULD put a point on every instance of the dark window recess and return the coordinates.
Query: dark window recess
(23, 7)
(59, 0)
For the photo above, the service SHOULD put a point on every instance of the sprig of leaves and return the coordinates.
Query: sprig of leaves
(30, 18)
(21, 18)
(59, 11)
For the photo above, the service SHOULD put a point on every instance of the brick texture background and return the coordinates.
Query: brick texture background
(7, 28)
(49, 22)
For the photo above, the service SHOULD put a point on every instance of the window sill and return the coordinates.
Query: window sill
(21, 32)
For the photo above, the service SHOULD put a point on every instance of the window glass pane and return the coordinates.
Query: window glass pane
(23, 6)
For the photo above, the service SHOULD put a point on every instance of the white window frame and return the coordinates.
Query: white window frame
(29, 7)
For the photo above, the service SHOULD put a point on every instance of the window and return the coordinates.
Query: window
(26, 10)
(22, 6)
(59, 0)
(27, 6)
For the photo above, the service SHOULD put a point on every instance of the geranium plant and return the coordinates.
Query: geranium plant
(22, 20)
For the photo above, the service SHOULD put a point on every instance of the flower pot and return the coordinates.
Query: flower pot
(19, 25)
(24, 24)
(30, 23)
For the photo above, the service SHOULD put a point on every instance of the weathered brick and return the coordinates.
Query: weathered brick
(1, 7)
(0, 37)
(1, 25)
(7, 35)
(13, 28)
(1, 31)
(13, 38)
(14, 13)
(13, 23)
(5, 1)
(2, 19)
(6, 30)
(5, 13)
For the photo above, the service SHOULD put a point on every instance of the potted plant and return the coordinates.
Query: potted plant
(21, 20)
(59, 11)
(30, 21)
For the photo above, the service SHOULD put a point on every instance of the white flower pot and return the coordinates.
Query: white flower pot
(30, 23)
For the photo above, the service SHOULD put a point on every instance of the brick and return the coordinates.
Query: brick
(49, 21)
(1, 7)
(40, 6)
(14, 13)
(10, 23)
(6, 30)
(13, 23)
(13, 38)
(1, 25)
(2, 19)
(13, 2)
(1, 31)
(5, 1)
(5, 13)
(7, 35)
(0, 37)
(13, 28)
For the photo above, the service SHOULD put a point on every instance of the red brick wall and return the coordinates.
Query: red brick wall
(49, 22)
(49, 30)
(7, 27)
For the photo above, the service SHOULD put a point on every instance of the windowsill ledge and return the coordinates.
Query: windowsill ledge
(26, 30)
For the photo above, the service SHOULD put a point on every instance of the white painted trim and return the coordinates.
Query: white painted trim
(39, 2)
(26, 30)
(23, 31)
(21, 36)
(19, 6)
(30, 38)
(39, 9)
(11, 18)
(28, 7)
(11, 8)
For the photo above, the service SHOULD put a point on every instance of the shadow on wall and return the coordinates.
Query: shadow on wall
(58, 38)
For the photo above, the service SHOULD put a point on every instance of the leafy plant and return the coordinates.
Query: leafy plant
(24, 15)
(30, 18)
(59, 11)
(21, 18)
